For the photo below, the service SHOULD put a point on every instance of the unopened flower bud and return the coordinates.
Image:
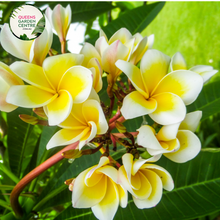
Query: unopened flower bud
(40, 112)
(29, 119)
(121, 128)
(72, 154)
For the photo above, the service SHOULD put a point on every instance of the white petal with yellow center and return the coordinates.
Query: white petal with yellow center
(78, 82)
(32, 74)
(123, 196)
(101, 45)
(170, 109)
(59, 109)
(184, 83)
(122, 34)
(178, 62)
(29, 96)
(190, 146)
(135, 105)
(56, 66)
(154, 66)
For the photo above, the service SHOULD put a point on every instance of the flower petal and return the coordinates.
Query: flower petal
(184, 83)
(89, 135)
(127, 160)
(65, 137)
(147, 138)
(178, 62)
(123, 196)
(134, 74)
(122, 34)
(32, 74)
(154, 66)
(156, 193)
(168, 132)
(13, 45)
(92, 111)
(170, 109)
(135, 105)
(206, 72)
(165, 176)
(191, 121)
(108, 206)
(29, 96)
(78, 82)
(109, 171)
(190, 146)
(113, 53)
(86, 197)
(59, 109)
(101, 45)
(56, 66)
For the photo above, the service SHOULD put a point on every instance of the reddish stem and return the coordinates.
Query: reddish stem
(115, 117)
(32, 175)
(119, 135)
(112, 125)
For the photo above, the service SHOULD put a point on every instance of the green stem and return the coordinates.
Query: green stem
(9, 173)
(32, 175)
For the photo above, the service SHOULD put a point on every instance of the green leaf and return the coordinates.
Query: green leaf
(208, 101)
(135, 20)
(6, 187)
(18, 133)
(196, 193)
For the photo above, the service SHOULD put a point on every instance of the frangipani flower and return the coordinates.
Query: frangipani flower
(7, 79)
(33, 51)
(178, 63)
(97, 188)
(92, 60)
(122, 45)
(56, 86)
(144, 181)
(60, 19)
(176, 142)
(85, 121)
(159, 94)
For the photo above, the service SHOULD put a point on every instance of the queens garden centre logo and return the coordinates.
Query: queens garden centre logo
(27, 22)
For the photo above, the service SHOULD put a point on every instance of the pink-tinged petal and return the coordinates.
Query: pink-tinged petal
(48, 13)
(135, 105)
(42, 44)
(101, 45)
(109, 171)
(89, 135)
(168, 132)
(191, 121)
(134, 74)
(72, 123)
(116, 51)
(60, 108)
(147, 138)
(97, 73)
(123, 196)
(13, 45)
(78, 82)
(156, 193)
(32, 74)
(154, 66)
(122, 34)
(56, 66)
(86, 197)
(170, 109)
(106, 209)
(65, 137)
(139, 51)
(190, 146)
(178, 62)
(127, 160)
(29, 96)
(92, 111)
(206, 72)
(184, 83)
(89, 52)
(4, 106)
(165, 176)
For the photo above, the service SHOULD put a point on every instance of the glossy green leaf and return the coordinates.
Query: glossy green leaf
(196, 193)
(135, 20)
(208, 101)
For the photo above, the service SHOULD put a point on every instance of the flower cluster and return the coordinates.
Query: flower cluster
(64, 88)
